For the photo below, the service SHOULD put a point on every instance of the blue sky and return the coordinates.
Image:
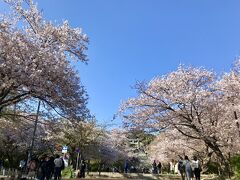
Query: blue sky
(134, 40)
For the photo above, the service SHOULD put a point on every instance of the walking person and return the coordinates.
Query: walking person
(154, 167)
(42, 169)
(126, 166)
(159, 166)
(48, 168)
(58, 163)
(172, 167)
(176, 168)
(196, 168)
(22, 165)
(181, 168)
(51, 166)
(82, 169)
(188, 168)
(32, 167)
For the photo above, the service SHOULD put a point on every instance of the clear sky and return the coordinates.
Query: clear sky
(134, 40)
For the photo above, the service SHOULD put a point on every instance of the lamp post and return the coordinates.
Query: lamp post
(34, 132)
(78, 156)
(237, 123)
(231, 99)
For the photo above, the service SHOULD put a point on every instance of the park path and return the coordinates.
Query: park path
(138, 176)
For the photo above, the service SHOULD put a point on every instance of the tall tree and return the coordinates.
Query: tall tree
(35, 59)
(189, 101)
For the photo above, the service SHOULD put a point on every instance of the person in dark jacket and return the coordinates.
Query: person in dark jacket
(82, 169)
(159, 167)
(154, 167)
(181, 168)
(42, 168)
(50, 165)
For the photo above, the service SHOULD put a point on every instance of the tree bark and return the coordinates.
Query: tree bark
(225, 165)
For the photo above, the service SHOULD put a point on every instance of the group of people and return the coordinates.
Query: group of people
(45, 167)
(189, 168)
(185, 167)
(156, 167)
(48, 167)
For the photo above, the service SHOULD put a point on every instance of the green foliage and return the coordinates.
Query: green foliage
(235, 162)
(68, 172)
(119, 165)
(94, 166)
(212, 167)
(145, 137)
(165, 168)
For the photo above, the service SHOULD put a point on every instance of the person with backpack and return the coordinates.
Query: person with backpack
(181, 168)
(58, 167)
(63, 164)
(196, 168)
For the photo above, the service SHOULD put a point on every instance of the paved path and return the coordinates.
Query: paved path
(106, 175)
(138, 176)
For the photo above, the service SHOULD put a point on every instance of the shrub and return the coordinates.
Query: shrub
(235, 162)
(212, 167)
(68, 172)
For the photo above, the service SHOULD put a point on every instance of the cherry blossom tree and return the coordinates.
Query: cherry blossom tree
(82, 135)
(35, 60)
(111, 147)
(16, 136)
(171, 144)
(113, 144)
(188, 100)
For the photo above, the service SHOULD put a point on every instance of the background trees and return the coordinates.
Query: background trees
(189, 100)
(79, 136)
(16, 136)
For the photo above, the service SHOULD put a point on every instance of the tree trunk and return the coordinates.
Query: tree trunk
(10, 160)
(225, 165)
